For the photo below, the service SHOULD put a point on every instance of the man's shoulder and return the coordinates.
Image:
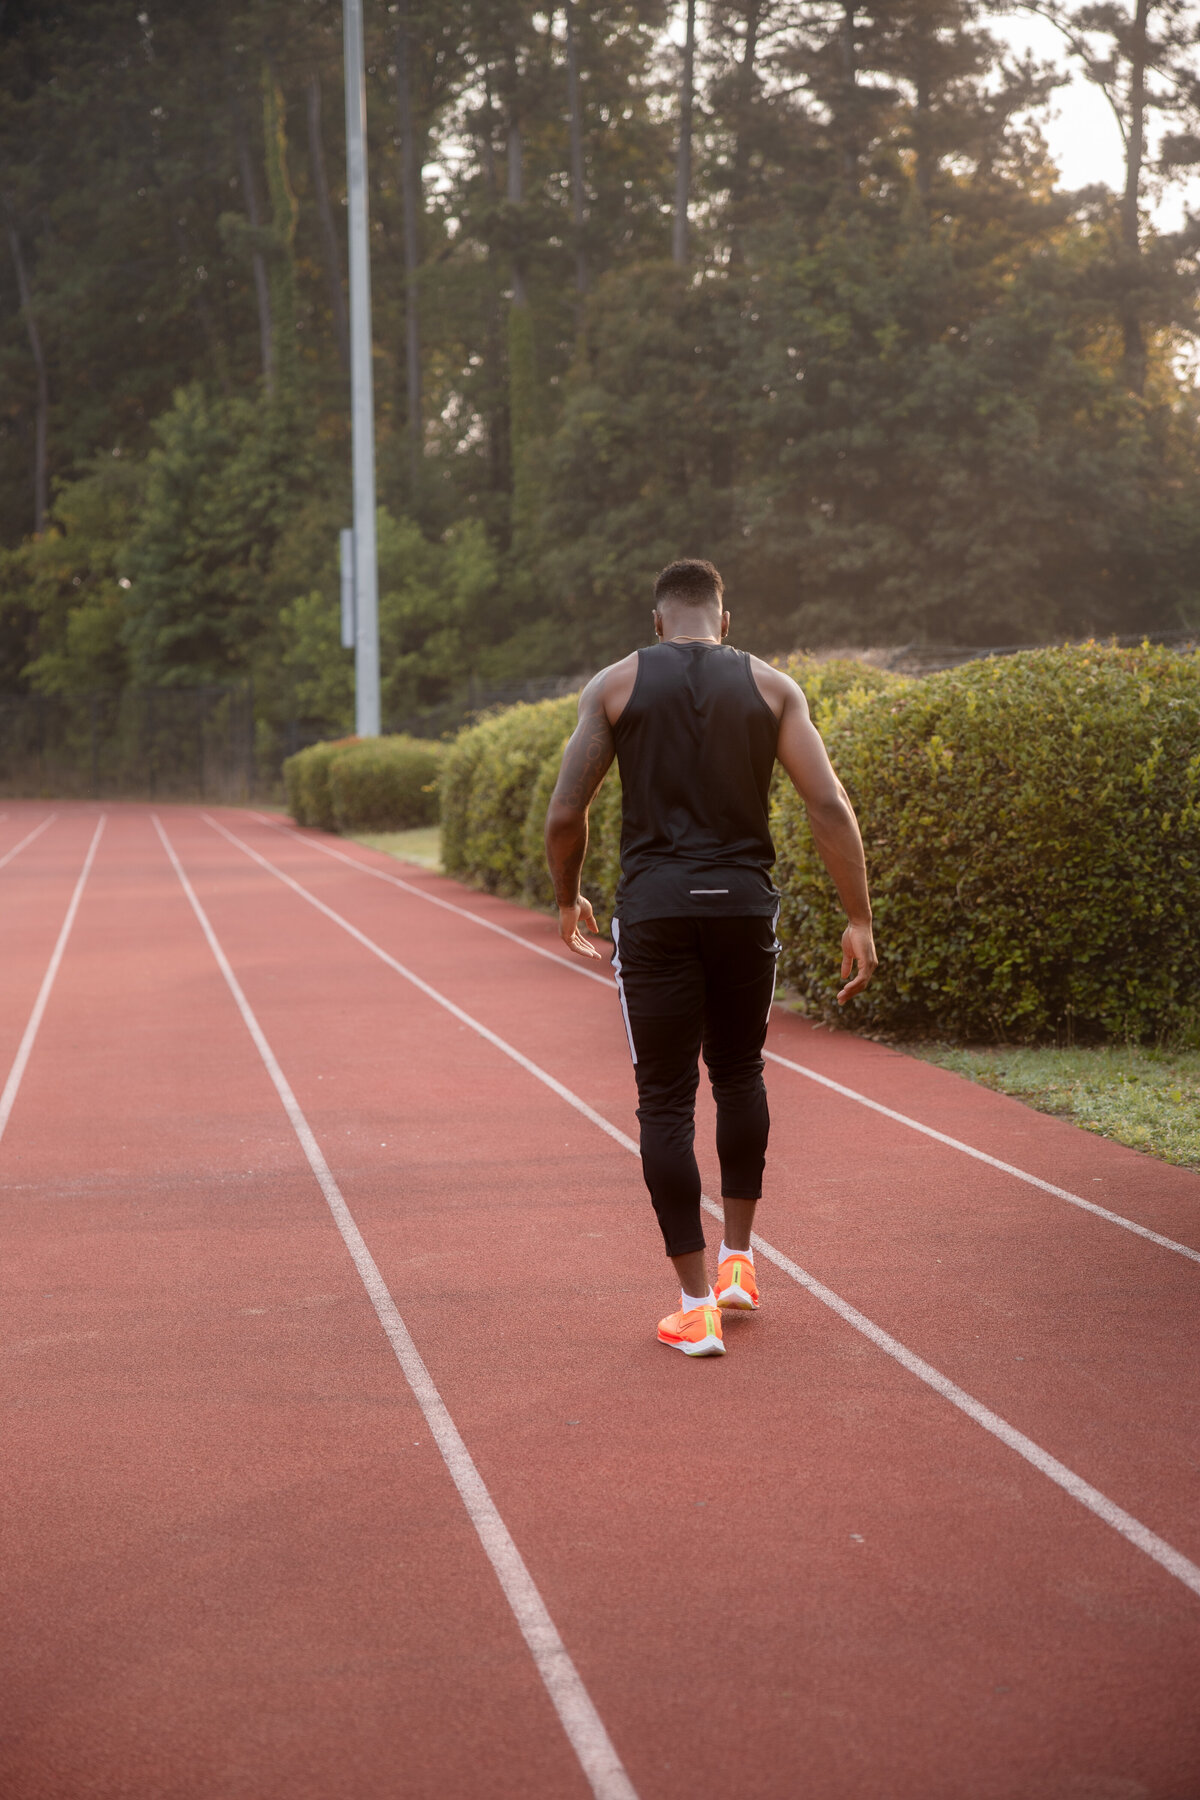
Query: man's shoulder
(777, 688)
(611, 687)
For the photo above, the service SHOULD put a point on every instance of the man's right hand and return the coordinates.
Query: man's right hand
(572, 922)
(858, 948)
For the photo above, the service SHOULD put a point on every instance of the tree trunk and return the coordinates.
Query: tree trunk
(220, 360)
(516, 197)
(499, 421)
(410, 178)
(683, 161)
(1135, 150)
(739, 175)
(329, 236)
(284, 214)
(523, 420)
(849, 94)
(258, 261)
(42, 423)
(922, 120)
(578, 199)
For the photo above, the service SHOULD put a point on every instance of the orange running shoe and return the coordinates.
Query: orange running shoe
(696, 1333)
(736, 1288)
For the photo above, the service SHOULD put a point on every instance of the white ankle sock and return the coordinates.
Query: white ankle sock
(726, 1251)
(689, 1302)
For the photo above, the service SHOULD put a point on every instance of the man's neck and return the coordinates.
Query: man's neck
(692, 631)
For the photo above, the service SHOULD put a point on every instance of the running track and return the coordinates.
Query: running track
(341, 1461)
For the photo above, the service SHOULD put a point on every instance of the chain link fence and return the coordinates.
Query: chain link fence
(194, 743)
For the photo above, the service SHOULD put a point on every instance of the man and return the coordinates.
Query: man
(696, 728)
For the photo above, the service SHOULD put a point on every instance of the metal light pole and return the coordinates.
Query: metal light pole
(362, 399)
(346, 567)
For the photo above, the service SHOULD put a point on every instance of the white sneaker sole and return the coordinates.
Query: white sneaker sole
(706, 1346)
(736, 1300)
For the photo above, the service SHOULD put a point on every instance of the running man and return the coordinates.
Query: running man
(696, 728)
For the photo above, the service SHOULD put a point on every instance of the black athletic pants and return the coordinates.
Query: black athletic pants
(689, 985)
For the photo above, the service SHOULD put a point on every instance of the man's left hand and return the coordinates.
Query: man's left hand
(573, 921)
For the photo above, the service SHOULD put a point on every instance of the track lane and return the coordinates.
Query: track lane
(996, 1518)
(35, 891)
(961, 1264)
(571, 1701)
(1003, 1125)
(9, 852)
(234, 1561)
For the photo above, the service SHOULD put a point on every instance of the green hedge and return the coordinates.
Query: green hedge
(498, 777)
(488, 779)
(306, 784)
(368, 784)
(1032, 826)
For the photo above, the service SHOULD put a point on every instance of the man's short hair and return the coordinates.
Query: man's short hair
(690, 582)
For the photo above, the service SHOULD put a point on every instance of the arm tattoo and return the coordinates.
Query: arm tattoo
(585, 760)
(587, 756)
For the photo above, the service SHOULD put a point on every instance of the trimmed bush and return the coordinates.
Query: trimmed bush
(306, 784)
(488, 777)
(1032, 826)
(827, 684)
(364, 784)
(385, 784)
(490, 772)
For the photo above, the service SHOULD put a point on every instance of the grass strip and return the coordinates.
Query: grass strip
(1146, 1098)
(422, 845)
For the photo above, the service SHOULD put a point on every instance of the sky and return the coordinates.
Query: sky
(1081, 132)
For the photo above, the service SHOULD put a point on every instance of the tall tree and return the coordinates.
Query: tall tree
(410, 176)
(575, 123)
(683, 155)
(284, 214)
(42, 424)
(329, 237)
(254, 239)
(1142, 55)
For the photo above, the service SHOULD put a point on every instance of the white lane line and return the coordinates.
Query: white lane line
(1047, 1187)
(409, 887)
(36, 832)
(1153, 1546)
(25, 1047)
(580, 1720)
(848, 1093)
(564, 1093)
(1172, 1560)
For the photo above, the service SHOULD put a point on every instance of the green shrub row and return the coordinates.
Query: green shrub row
(368, 784)
(1032, 826)
(498, 777)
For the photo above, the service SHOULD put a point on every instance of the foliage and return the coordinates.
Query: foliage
(385, 784)
(307, 786)
(827, 681)
(489, 776)
(222, 484)
(64, 621)
(907, 389)
(364, 784)
(1032, 826)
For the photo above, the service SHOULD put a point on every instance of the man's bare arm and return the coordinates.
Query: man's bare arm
(586, 760)
(834, 828)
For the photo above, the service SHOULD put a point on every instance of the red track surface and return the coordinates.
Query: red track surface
(236, 1564)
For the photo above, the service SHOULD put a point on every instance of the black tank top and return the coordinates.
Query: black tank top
(695, 747)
